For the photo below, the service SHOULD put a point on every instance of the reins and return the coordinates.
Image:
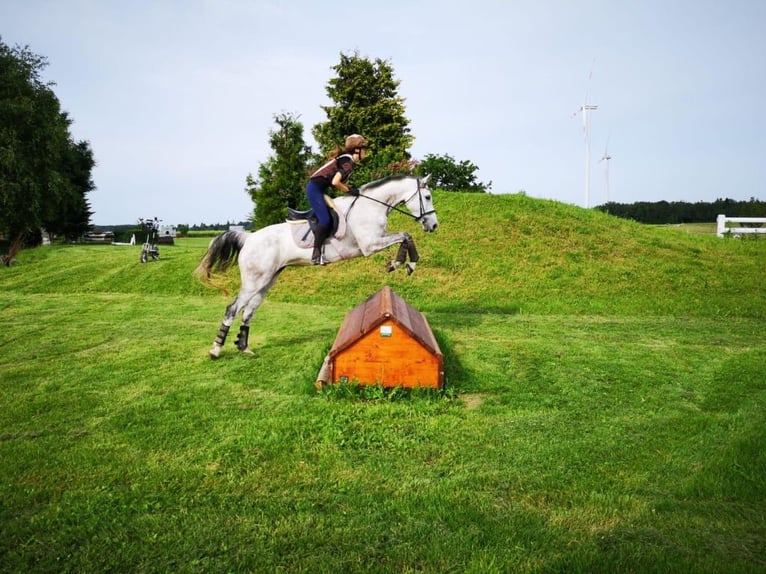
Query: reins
(423, 212)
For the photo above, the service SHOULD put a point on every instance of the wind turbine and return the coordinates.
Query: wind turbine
(585, 110)
(606, 157)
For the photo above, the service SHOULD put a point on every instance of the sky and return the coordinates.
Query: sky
(177, 98)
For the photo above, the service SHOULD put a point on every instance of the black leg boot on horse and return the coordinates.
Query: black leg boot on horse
(321, 233)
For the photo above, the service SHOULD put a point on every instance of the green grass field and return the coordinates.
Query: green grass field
(605, 408)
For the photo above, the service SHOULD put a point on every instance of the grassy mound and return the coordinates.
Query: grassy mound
(492, 253)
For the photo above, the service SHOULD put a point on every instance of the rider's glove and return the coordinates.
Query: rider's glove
(353, 190)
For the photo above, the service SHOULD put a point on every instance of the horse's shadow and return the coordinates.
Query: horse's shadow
(313, 336)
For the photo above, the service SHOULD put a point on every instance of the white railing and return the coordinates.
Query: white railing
(722, 230)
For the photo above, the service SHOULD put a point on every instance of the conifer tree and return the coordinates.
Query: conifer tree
(366, 101)
(282, 177)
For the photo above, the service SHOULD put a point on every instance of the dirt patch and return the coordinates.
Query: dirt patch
(473, 401)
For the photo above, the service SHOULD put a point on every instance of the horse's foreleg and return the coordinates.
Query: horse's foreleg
(401, 257)
(406, 249)
(412, 252)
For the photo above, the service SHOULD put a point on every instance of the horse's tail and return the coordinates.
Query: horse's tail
(221, 254)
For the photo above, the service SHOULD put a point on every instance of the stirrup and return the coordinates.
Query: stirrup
(317, 257)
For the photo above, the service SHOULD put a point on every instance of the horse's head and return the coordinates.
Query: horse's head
(421, 205)
(408, 190)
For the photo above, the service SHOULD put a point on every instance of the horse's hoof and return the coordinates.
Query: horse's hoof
(392, 265)
(215, 352)
(247, 351)
(410, 269)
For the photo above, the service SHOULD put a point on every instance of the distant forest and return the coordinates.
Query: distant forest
(683, 212)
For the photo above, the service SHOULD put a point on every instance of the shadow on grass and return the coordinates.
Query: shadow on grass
(473, 309)
(455, 374)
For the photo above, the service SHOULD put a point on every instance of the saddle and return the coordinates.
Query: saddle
(304, 223)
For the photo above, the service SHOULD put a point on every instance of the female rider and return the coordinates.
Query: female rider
(334, 173)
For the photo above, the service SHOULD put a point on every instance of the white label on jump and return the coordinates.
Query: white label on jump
(386, 331)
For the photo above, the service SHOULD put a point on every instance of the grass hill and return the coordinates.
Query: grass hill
(504, 253)
(605, 412)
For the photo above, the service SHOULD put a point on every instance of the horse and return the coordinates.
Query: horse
(262, 255)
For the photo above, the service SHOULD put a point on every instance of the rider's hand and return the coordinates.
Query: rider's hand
(353, 190)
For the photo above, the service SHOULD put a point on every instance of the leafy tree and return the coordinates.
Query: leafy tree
(44, 175)
(282, 177)
(366, 101)
(449, 175)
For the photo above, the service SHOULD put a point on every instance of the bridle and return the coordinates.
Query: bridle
(395, 207)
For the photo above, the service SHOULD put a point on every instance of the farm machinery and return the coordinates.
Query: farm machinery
(150, 247)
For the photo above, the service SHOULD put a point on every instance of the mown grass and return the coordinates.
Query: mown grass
(581, 432)
(709, 228)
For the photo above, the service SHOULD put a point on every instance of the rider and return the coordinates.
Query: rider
(334, 173)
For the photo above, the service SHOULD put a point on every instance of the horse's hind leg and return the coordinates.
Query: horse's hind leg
(244, 329)
(243, 336)
(228, 319)
(251, 306)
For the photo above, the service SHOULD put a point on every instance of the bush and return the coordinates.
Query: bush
(449, 175)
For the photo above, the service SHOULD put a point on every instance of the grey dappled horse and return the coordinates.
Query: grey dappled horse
(262, 255)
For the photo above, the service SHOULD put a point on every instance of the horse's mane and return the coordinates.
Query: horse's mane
(384, 180)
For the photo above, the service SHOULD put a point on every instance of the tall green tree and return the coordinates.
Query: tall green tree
(366, 101)
(71, 213)
(44, 174)
(282, 177)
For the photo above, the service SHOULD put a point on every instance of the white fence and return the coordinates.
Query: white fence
(722, 230)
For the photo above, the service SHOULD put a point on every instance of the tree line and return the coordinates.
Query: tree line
(664, 212)
(45, 174)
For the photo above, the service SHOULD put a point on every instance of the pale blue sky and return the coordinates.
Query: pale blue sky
(177, 97)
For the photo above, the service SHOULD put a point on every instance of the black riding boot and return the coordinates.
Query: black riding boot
(320, 234)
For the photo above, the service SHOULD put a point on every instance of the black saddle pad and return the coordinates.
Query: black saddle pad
(297, 215)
